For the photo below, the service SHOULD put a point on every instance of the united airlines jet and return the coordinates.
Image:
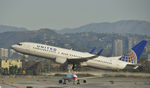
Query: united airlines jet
(76, 58)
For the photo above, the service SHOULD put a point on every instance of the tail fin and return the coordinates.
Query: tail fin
(134, 54)
(138, 49)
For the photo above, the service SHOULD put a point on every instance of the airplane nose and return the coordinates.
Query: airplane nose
(14, 46)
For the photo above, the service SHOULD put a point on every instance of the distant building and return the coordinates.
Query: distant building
(147, 48)
(118, 47)
(4, 52)
(11, 52)
(148, 57)
(7, 63)
(130, 43)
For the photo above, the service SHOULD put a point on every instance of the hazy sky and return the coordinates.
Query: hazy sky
(59, 14)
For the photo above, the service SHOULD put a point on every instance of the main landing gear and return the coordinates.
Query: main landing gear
(78, 82)
(62, 82)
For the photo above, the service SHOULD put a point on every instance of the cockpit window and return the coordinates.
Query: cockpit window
(19, 44)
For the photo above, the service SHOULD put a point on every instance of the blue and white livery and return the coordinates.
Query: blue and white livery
(76, 58)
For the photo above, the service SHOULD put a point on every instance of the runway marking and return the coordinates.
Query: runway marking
(11, 86)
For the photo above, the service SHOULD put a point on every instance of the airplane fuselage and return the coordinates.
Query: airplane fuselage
(61, 54)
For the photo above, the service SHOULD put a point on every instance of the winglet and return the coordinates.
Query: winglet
(92, 51)
(99, 53)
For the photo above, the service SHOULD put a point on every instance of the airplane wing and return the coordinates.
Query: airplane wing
(93, 77)
(74, 60)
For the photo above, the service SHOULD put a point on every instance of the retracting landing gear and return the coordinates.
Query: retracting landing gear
(75, 67)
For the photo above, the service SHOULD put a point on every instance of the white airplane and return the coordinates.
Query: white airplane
(76, 58)
(71, 77)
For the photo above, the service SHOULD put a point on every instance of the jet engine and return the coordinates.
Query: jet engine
(61, 60)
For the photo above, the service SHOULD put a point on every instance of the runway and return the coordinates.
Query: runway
(109, 82)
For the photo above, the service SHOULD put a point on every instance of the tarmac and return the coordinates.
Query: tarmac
(52, 82)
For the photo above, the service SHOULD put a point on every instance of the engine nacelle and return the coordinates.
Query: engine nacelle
(61, 60)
